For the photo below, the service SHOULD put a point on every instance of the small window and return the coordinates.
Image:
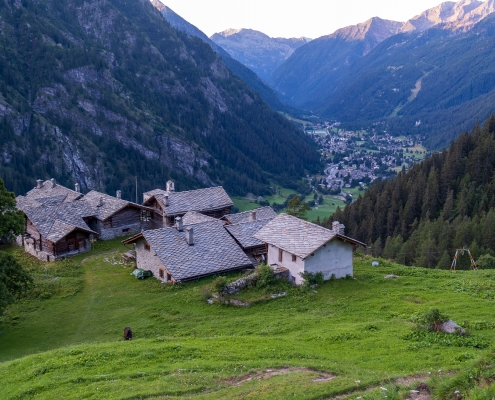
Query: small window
(147, 247)
(169, 277)
(294, 258)
(125, 230)
(280, 255)
(161, 273)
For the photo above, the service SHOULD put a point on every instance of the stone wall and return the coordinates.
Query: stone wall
(148, 260)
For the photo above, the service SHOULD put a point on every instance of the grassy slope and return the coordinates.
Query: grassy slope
(183, 346)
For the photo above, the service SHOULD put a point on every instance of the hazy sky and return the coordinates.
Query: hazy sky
(290, 18)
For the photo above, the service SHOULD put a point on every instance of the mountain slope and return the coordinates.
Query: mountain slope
(313, 68)
(257, 51)
(104, 91)
(239, 69)
(446, 82)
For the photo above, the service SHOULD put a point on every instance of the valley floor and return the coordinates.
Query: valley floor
(347, 337)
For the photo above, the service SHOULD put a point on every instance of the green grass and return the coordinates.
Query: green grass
(354, 329)
(326, 209)
(244, 204)
(355, 192)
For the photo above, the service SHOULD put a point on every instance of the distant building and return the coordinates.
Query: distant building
(300, 246)
(168, 204)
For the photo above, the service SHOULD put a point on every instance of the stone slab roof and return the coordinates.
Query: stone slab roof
(261, 213)
(294, 235)
(193, 217)
(214, 250)
(55, 222)
(244, 232)
(208, 199)
(298, 237)
(47, 190)
(110, 205)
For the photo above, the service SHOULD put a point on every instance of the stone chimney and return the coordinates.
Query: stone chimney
(39, 183)
(100, 204)
(338, 228)
(170, 186)
(119, 194)
(77, 188)
(54, 182)
(165, 200)
(252, 216)
(189, 236)
(178, 224)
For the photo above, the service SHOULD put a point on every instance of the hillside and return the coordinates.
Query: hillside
(312, 70)
(266, 93)
(442, 204)
(343, 339)
(257, 51)
(100, 93)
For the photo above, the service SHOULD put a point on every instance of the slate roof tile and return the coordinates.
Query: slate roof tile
(111, 205)
(261, 213)
(294, 235)
(244, 232)
(214, 250)
(208, 199)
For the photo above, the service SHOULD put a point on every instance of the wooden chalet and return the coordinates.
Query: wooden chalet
(168, 204)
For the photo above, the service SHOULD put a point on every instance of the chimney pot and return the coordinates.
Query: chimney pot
(165, 200)
(178, 224)
(119, 194)
(54, 182)
(77, 188)
(39, 183)
(189, 236)
(170, 186)
(338, 228)
(252, 216)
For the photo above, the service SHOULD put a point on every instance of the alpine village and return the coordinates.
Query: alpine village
(240, 216)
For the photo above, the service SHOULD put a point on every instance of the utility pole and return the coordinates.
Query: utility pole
(136, 191)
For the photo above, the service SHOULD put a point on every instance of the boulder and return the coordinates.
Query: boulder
(391, 276)
(451, 327)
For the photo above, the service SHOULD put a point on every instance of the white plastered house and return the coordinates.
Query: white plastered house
(302, 246)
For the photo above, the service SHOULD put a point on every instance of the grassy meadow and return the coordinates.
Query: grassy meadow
(346, 337)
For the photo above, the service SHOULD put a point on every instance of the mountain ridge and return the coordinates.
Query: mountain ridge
(256, 50)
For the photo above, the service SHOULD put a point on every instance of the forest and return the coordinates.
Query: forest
(442, 204)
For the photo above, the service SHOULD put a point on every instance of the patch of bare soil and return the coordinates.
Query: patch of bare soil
(268, 373)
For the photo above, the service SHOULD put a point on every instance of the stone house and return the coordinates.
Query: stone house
(55, 230)
(302, 246)
(168, 204)
(61, 221)
(186, 252)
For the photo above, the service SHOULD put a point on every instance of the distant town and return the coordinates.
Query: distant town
(354, 159)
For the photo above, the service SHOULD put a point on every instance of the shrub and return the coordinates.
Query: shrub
(486, 262)
(431, 320)
(310, 278)
(265, 276)
(218, 285)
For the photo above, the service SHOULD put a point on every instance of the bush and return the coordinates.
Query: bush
(265, 276)
(486, 262)
(218, 285)
(430, 320)
(310, 278)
